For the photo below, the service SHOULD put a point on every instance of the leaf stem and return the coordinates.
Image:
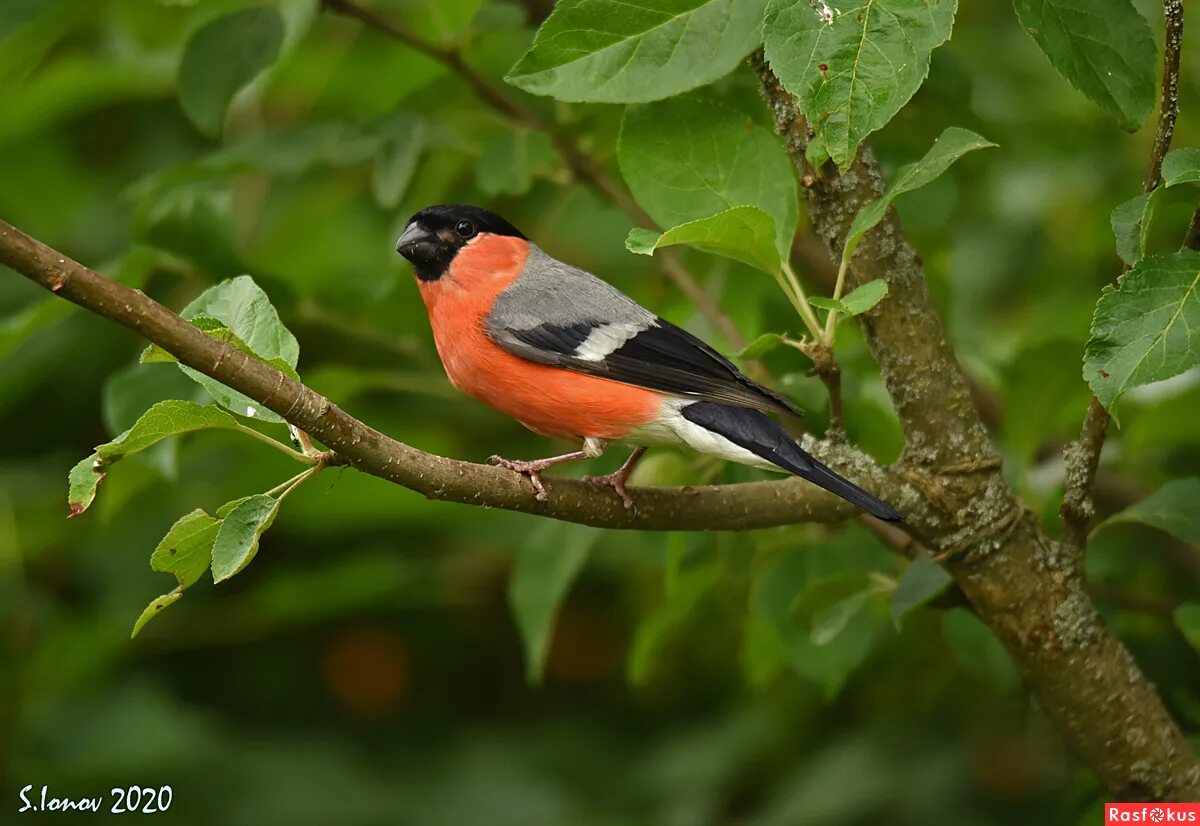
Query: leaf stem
(284, 488)
(278, 445)
(838, 286)
(800, 301)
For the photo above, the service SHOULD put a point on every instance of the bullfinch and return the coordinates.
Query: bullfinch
(571, 357)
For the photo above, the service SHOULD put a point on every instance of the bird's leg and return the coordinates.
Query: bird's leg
(533, 467)
(617, 480)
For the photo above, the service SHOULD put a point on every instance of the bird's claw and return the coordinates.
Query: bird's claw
(531, 469)
(616, 481)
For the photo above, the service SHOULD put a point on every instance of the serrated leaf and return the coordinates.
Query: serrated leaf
(154, 609)
(243, 307)
(1147, 327)
(854, 66)
(618, 51)
(864, 297)
(508, 164)
(241, 529)
(951, 145)
(186, 550)
(825, 303)
(922, 580)
(222, 57)
(1127, 221)
(1181, 166)
(761, 346)
(744, 233)
(1104, 48)
(686, 159)
(169, 418)
(1174, 508)
(546, 566)
(1187, 620)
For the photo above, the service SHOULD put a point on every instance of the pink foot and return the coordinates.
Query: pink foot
(616, 481)
(531, 468)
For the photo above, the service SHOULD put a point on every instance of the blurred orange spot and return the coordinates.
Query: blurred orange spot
(367, 670)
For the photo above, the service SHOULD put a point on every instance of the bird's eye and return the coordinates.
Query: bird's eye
(465, 229)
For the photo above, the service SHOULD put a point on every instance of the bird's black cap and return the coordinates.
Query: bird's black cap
(435, 234)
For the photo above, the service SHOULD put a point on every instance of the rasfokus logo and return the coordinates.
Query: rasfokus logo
(1151, 813)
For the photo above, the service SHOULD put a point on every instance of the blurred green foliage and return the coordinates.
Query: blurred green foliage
(392, 660)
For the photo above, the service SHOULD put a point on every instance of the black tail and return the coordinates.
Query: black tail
(766, 438)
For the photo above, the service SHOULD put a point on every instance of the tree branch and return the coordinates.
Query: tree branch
(585, 167)
(1082, 457)
(1027, 588)
(718, 507)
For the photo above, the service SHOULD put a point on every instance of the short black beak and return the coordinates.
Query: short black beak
(413, 235)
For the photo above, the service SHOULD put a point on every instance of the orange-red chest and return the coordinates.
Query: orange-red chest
(550, 400)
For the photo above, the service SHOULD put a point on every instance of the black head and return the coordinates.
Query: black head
(435, 235)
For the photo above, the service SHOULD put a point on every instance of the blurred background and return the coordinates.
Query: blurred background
(387, 659)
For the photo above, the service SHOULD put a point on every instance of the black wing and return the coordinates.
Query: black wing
(656, 355)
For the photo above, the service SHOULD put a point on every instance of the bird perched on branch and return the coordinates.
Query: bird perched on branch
(570, 356)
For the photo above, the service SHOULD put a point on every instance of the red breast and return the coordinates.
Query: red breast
(550, 400)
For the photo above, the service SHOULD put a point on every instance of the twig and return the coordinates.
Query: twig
(1169, 93)
(1082, 456)
(721, 507)
(585, 167)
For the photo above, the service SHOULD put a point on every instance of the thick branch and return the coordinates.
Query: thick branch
(586, 168)
(1027, 589)
(1082, 456)
(720, 507)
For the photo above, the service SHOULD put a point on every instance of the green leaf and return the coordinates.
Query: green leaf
(295, 150)
(761, 346)
(169, 418)
(832, 621)
(1174, 508)
(508, 164)
(826, 303)
(221, 58)
(951, 145)
(1147, 327)
(546, 566)
(744, 233)
(243, 307)
(1187, 620)
(82, 482)
(164, 419)
(240, 530)
(864, 297)
(686, 159)
(1104, 48)
(923, 580)
(186, 550)
(657, 629)
(396, 160)
(1181, 166)
(978, 650)
(1128, 220)
(853, 67)
(154, 609)
(632, 51)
